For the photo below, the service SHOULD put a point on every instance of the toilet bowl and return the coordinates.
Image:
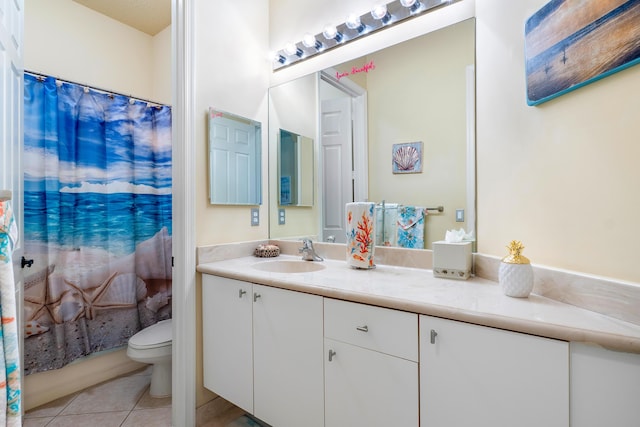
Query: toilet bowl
(152, 345)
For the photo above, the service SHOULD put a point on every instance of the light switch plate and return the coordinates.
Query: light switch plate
(281, 216)
(255, 217)
(459, 215)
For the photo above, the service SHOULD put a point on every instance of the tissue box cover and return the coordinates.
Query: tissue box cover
(452, 260)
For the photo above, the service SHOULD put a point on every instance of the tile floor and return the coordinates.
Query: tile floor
(125, 402)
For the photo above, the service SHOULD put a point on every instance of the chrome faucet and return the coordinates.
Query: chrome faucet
(307, 251)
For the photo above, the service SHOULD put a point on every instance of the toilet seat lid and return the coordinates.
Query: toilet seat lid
(155, 335)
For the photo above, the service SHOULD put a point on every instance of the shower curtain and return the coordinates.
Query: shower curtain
(97, 218)
(10, 358)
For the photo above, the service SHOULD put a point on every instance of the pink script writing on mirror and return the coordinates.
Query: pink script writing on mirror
(355, 70)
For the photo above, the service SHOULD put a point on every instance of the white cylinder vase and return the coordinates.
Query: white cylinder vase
(515, 274)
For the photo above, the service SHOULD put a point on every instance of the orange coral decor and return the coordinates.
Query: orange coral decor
(362, 241)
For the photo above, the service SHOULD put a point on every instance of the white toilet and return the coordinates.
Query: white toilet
(152, 345)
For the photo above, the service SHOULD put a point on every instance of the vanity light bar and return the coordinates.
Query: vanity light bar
(381, 16)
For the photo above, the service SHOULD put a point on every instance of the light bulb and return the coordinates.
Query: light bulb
(380, 12)
(353, 22)
(413, 5)
(331, 32)
(277, 57)
(310, 41)
(291, 49)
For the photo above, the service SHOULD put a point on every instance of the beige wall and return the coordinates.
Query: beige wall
(161, 66)
(69, 41)
(561, 176)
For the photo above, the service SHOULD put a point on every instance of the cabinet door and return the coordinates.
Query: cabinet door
(605, 387)
(227, 339)
(288, 374)
(478, 376)
(365, 388)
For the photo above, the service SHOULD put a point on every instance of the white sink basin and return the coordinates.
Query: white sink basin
(288, 266)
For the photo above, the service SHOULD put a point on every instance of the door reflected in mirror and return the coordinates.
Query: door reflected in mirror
(295, 171)
(234, 159)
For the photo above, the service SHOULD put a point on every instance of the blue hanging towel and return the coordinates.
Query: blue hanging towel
(411, 227)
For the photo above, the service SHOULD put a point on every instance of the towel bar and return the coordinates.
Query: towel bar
(382, 204)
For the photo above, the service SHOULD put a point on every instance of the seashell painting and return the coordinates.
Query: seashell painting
(407, 157)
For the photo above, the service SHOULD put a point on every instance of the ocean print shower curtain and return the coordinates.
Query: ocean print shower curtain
(97, 220)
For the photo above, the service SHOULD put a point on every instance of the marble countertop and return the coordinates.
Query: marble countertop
(476, 300)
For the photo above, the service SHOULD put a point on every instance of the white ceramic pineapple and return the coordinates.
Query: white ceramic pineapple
(516, 274)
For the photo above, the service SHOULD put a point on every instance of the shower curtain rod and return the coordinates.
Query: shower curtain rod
(105, 91)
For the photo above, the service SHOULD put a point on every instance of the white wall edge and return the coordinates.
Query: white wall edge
(471, 150)
(183, 410)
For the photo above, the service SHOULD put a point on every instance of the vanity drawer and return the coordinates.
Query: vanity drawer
(380, 329)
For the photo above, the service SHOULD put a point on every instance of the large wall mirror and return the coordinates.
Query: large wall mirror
(234, 159)
(419, 93)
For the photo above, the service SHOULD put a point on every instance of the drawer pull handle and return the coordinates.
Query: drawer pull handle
(332, 354)
(241, 292)
(256, 296)
(434, 334)
(364, 328)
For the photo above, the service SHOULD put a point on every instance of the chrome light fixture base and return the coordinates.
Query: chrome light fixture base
(396, 12)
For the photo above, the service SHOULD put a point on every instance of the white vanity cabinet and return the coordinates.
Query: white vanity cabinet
(605, 387)
(227, 338)
(297, 359)
(479, 376)
(267, 358)
(371, 366)
(287, 357)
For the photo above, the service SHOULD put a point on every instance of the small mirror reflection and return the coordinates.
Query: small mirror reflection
(295, 172)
